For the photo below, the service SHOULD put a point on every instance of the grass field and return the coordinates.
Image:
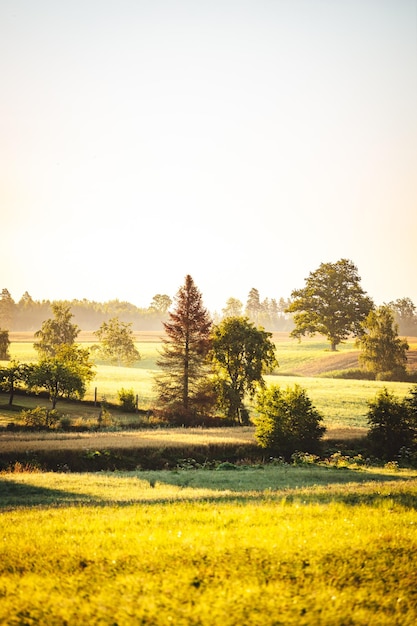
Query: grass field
(278, 545)
(270, 545)
(344, 403)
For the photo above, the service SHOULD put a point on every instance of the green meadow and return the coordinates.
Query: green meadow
(343, 402)
(257, 546)
(332, 543)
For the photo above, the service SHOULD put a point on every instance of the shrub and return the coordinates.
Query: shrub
(287, 421)
(65, 423)
(127, 400)
(105, 418)
(391, 426)
(40, 417)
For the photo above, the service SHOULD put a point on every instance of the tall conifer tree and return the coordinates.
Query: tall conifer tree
(184, 351)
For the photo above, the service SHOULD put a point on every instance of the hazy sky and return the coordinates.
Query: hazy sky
(242, 142)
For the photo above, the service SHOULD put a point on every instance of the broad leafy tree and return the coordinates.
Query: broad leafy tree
(160, 303)
(78, 358)
(64, 375)
(4, 345)
(233, 308)
(117, 342)
(184, 350)
(288, 421)
(383, 352)
(241, 355)
(13, 377)
(59, 378)
(332, 303)
(57, 331)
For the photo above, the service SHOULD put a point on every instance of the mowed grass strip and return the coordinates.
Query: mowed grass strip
(155, 438)
(255, 546)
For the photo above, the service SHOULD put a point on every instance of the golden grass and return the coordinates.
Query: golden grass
(293, 546)
(147, 438)
(155, 438)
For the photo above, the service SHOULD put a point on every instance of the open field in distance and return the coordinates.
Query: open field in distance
(342, 402)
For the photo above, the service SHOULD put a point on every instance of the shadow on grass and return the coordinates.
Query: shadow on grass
(14, 494)
(286, 485)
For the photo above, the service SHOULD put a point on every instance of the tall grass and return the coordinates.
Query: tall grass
(273, 546)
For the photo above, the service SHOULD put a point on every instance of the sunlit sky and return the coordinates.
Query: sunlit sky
(241, 142)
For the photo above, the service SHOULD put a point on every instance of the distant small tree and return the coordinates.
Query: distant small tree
(7, 309)
(117, 342)
(382, 351)
(59, 379)
(241, 354)
(253, 305)
(405, 315)
(64, 375)
(288, 421)
(392, 424)
(4, 345)
(183, 357)
(12, 377)
(57, 331)
(160, 303)
(233, 308)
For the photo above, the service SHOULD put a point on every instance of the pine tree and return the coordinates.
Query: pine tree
(184, 352)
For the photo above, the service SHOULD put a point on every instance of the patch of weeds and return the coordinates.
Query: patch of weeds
(24, 468)
(304, 458)
(227, 466)
(188, 464)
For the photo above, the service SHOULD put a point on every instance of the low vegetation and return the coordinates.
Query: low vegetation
(302, 545)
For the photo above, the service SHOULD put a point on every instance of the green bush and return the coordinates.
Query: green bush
(288, 421)
(392, 424)
(40, 417)
(127, 400)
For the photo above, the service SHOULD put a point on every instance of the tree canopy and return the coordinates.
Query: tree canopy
(117, 343)
(57, 331)
(12, 377)
(405, 315)
(4, 345)
(383, 352)
(332, 303)
(241, 354)
(64, 375)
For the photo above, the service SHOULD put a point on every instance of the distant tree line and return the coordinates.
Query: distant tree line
(28, 314)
